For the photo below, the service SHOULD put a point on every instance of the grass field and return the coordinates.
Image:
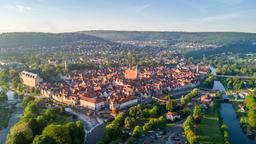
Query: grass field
(4, 117)
(209, 130)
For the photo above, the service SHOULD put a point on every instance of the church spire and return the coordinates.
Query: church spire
(66, 67)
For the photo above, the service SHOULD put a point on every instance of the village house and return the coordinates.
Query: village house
(206, 98)
(30, 79)
(92, 103)
(172, 116)
(120, 103)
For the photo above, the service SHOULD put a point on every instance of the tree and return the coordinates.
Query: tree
(33, 108)
(58, 133)
(137, 132)
(129, 122)
(183, 101)
(76, 132)
(171, 105)
(169, 97)
(252, 118)
(81, 132)
(188, 122)
(114, 129)
(161, 121)
(20, 134)
(26, 100)
(194, 92)
(35, 126)
(208, 83)
(197, 113)
(42, 139)
(153, 112)
(147, 127)
(3, 77)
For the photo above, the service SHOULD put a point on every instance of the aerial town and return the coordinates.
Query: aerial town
(116, 88)
(127, 72)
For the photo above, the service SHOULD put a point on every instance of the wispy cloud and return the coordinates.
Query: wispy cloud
(40, 0)
(230, 2)
(226, 16)
(141, 8)
(19, 8)
(220, 17)
(195, 6)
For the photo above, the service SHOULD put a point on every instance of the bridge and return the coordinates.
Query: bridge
(232, 76)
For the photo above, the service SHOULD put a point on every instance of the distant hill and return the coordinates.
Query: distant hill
(65, 43)
(191, 43)
(28, 40)
(174, 37)
(107, 42)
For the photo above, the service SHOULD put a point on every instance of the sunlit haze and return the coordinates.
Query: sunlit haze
(149, 15)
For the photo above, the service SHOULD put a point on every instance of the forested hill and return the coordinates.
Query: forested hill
(221, 38)
(98, 42)
(29, 40)
(13, 40)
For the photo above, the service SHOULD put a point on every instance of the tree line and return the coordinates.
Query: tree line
(40, 125)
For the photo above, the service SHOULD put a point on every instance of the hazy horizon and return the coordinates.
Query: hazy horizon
(129, 31)
(127, 15)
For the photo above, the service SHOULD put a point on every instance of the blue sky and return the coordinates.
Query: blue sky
(152, 15)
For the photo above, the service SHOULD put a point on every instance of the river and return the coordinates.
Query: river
(236, 135)
(15, 116)
(94, 126)
(96, 134)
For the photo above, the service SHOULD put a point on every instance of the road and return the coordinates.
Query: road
(174, 131)
(232, 76)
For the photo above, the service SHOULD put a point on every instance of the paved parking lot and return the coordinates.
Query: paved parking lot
(172, 135)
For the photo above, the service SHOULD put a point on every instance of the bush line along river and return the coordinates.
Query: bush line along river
(236, 135)
(15, 116)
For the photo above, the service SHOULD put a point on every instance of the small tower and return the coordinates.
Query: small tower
(66, 67)
(130, 59)
(204, 59)
(197, 68)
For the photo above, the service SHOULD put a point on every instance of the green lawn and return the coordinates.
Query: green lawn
(4, 117)
(209, 130)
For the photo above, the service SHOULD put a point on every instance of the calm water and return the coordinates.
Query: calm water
(97, 134)
(236, 135)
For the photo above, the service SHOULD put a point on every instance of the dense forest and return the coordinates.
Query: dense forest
(23, 39)
(202, 37)
(205, 43)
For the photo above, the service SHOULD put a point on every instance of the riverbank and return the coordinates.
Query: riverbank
(229, 117)
(209, 129)
(96, 134)
(14, 118)
(5, 114)
(242, 116)
(10, 113)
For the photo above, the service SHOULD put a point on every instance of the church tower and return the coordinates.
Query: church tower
(66, 67)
